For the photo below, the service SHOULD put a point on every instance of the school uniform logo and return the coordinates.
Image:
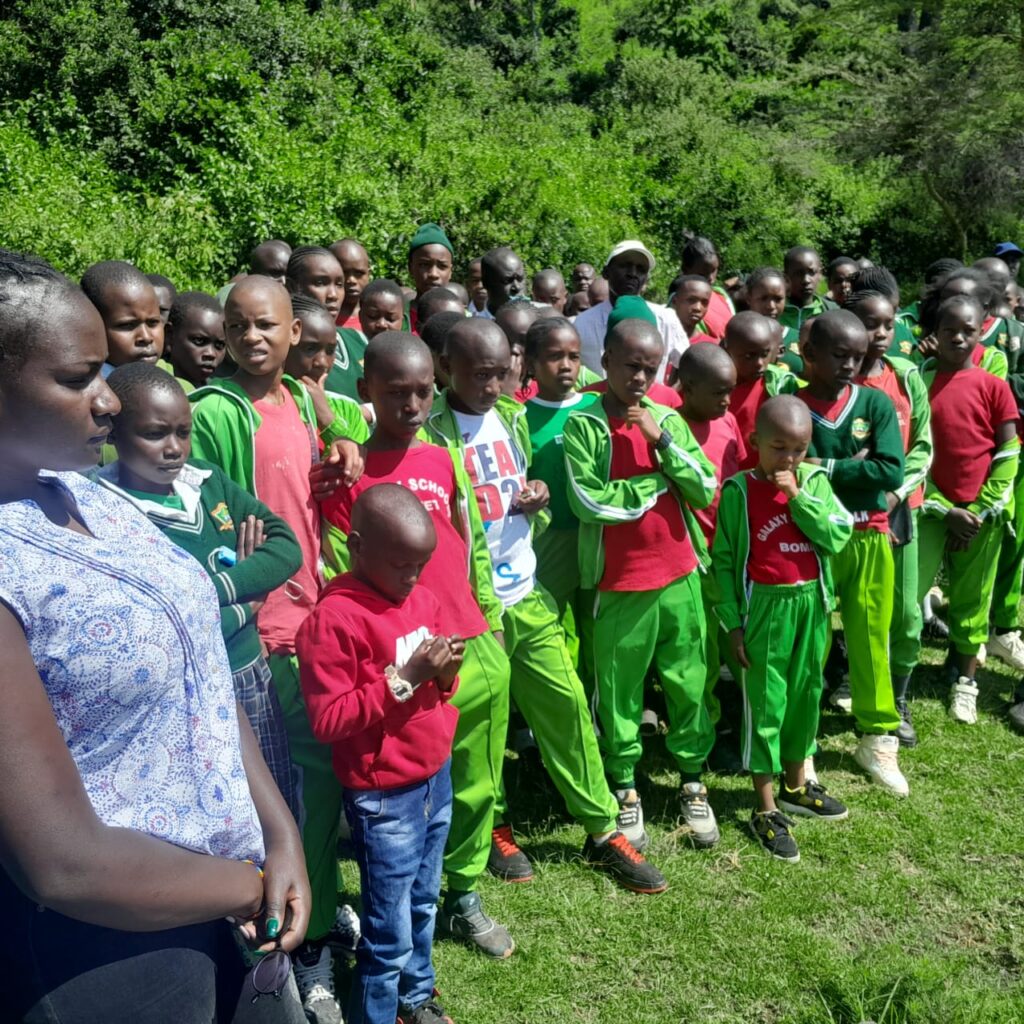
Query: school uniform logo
(222, 516)
(861, 428)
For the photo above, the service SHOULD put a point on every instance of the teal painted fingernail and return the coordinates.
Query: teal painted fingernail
(273, 927)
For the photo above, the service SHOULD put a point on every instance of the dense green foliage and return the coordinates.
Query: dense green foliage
(177, 133)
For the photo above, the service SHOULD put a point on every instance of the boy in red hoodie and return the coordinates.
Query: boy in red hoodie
(378, 677)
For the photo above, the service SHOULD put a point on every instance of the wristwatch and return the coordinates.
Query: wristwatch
(663, 442)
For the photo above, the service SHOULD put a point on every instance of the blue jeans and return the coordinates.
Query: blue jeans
(399, 837)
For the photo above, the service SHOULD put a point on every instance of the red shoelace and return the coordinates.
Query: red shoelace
(625, 847)
(505, 841)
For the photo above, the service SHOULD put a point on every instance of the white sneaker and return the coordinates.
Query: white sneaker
(630, 819)
(314, 976)
(963, 701)
(698, 815)
(877, 756)
(810, 775)
(982, 654)
(1009, 648)
(841, 698)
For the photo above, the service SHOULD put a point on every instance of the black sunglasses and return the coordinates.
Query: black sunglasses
(270, 975)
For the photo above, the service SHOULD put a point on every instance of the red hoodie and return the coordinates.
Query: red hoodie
(351, 636)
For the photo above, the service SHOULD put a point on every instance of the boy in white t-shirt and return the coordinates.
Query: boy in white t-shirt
(491, 431)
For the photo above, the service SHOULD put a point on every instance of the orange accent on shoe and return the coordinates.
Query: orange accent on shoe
(505, 841)
(625, 847)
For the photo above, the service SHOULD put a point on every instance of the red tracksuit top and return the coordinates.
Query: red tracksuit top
(344, 646)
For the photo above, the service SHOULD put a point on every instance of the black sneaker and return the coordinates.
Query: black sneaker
(906, 733)
(430, 1012)
(464, 919)
(811, 801)
(506, 860)
(771, 830)
(617, 856)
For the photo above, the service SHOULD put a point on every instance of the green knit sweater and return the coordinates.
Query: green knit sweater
(868, 420)
(212, 505)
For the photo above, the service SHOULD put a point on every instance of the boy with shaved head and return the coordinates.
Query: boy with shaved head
(548, 288)
(260, 427)
(491, 434)
(634, 469)
(270, 259)
(503, 278)
(355, 266)
(778, 526)
(399, 383)
(378, 675)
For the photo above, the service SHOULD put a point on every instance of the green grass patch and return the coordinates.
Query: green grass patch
(910, 912)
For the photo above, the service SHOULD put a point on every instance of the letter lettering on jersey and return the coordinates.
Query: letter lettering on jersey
(405, 646)
(503, 457)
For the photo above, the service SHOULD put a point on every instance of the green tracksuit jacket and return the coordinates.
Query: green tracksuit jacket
(224, 425)
(599, 501)
(815, 510)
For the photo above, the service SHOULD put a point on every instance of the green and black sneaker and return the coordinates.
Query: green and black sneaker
(811, 801)
(771, 830)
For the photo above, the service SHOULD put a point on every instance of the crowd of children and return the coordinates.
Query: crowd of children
(437, 513)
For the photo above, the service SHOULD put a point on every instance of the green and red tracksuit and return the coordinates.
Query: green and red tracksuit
(864, 572)
(225, 423)
(968, 471)
(771, 564)
(544, 684)
(902, 382)
(641, 549)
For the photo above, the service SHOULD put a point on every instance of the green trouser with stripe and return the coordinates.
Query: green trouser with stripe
(718, 650)
(972, 575)
(478, 756)
(786, 637)
(549, 694)
(905, 632)
(632, 630)
(864, 580)
(1007, 592)
(319, 796)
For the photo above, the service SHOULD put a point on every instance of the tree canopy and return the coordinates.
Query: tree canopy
(178, 133)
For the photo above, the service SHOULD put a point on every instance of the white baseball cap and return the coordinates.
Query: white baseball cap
(632, 245)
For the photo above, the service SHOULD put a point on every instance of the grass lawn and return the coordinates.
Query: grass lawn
(910, 911)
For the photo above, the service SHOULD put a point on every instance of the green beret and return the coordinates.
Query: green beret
(430, 234)
(629, 307)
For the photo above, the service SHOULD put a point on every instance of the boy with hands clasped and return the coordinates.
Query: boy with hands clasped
(778, 526)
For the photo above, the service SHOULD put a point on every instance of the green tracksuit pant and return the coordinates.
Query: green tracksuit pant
(864, 580)
(972, 575)
(319, 796)
(478, 756)
(786, 637)
(905, 632)
(718, 652)
(1007, 592)
(632, 630)
(549, 694)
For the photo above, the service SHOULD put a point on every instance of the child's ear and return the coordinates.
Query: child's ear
(752, 441)
(296, 331)
(363, 390)
(604, 361)
(355, 545)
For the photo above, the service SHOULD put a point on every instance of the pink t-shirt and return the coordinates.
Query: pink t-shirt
(283, 459)
(428, 472)
(721, 442)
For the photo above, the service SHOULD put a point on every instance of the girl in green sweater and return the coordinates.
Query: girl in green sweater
(245, 548)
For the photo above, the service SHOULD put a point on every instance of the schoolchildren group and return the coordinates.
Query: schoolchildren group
(446, 520)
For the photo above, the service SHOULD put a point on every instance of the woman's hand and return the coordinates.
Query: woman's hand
(287, 899)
